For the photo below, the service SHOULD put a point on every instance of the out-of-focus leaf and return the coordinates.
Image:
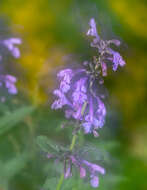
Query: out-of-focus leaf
(10, 120)
(108, 145)
(92, 153)
(15, 165)
(47, 145)
(74, 183)
(12, 167)
(113, 178)
(50, 183)
(68, 183)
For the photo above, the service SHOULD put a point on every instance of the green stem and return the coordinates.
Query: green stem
(60, 182)
(62, 176)
(73, 142)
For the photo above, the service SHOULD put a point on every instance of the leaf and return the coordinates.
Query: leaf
(49, 184)
(68, 183)
(92, 153)
(10, 120)
(109, 145)
(47, 145)
(13, 166)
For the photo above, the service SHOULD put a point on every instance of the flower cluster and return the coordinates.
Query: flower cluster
(8, 81)
(10, 45)
(106, 55)
(85, 168)
(81, 87)
(81, 100)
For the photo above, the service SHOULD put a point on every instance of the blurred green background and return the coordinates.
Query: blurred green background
(51, 32)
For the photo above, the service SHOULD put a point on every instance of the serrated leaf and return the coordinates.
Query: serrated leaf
(10, 120)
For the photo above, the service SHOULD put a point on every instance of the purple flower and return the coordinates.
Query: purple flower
(84, 167)
(82, 172)
(117, 60)
(80, 99)
(10, 84)
(106, 54)
(61, 101)
(93, 31)
(8, 81)
(97, 120)
(94, 167)
(79, 91)
(94, 170)
(65, 78)
(89, 168)
(94, 181)
(10, 44)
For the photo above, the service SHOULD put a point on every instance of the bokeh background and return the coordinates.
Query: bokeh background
(53, 34)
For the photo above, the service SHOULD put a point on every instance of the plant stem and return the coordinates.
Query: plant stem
(60, 182)
(62, 176)
(71, 147)
(73, 142)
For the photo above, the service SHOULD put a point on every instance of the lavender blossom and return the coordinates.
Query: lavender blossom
(89, 168)
(81, 87)
(61, 101)
(80, 94)
(8, 81)
(106, 54)
(77, 90)
(86, 169)
(93, 31)
(65, 77)
(10, 44)
(10, 84)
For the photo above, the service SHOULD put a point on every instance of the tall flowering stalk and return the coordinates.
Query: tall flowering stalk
(80, 94)
(83, 85)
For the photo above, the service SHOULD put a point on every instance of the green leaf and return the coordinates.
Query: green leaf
(92, 153)
(68, 183)
(50, 183)
(13, 166)
(10, 120)
(47, 145)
